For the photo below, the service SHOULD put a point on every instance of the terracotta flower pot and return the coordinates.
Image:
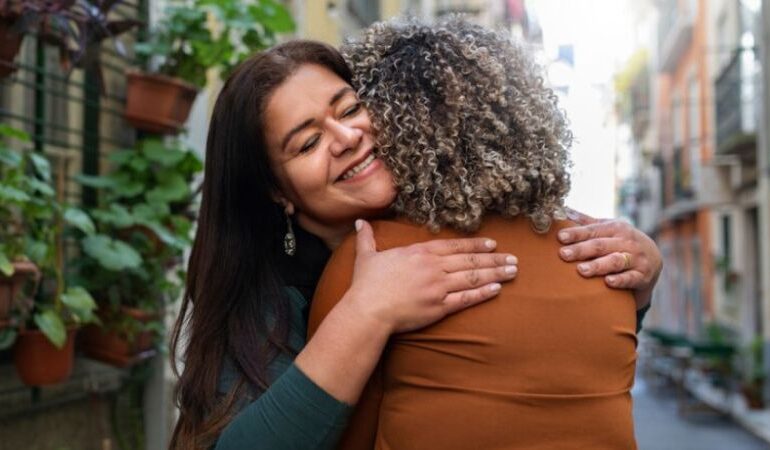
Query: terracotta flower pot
(10, 43)
(38, 362)
(111, 347)
(157, 103)
(10, 287)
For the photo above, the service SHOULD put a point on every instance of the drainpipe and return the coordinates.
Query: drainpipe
(763, 194)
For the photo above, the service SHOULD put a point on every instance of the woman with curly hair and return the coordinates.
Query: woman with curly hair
(290, 165)
(477, 144)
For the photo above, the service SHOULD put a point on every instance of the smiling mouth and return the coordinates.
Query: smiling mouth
(357, 168)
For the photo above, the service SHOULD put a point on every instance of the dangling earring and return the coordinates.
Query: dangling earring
(289, 241)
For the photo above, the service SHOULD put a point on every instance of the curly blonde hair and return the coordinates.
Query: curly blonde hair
(464, 121)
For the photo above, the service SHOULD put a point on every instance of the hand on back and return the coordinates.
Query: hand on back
(410, 287)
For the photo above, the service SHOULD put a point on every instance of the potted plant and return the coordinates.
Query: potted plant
(16, 184)
(35, 221)
(183, 47)
(753, 374)
(145, 209)
(76, 27)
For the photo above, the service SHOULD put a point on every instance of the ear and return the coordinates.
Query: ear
(287, 205)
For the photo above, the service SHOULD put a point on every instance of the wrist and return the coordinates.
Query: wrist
(358, 308)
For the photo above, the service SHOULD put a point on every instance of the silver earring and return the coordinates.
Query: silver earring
(289, 241)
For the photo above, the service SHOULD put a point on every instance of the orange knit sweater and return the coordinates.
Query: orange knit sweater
(547, 364)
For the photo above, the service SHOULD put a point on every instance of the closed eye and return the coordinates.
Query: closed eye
(352, 110)
(310, 143)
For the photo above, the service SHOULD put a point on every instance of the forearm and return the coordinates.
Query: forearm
(293, 413)
(343, 352)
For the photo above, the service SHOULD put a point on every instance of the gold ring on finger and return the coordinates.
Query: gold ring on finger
(626, 260)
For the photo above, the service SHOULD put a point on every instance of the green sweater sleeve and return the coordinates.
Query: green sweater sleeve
(294, 412)
(640, 313)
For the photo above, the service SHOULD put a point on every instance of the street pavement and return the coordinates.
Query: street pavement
(660, 427)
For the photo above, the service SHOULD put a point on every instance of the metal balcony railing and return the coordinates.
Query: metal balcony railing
(734, 114)
(728, 101)
(677, 18)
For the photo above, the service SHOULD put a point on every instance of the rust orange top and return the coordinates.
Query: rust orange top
(547, 364)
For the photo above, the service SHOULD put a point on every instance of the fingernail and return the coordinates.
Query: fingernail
(611, 280)
(511, 269)
(494, 287)
(511, 260)
(584, 268)
(563, 236)
(359, 224)
(490, 243)
(567, 252)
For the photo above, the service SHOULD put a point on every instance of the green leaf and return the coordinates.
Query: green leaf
(126, 187)
(157, 152)
(110, 253)
(166, 236)
(41, 187)
(121, 157)
(12, 194)
(151, 211)
(6, 267)
(116, 215)
(139, 164)
(9, 131)
(80, 303)
(52, 327)
(42, 166)
(35, 250)
(10, 158)
(95, 181)
(7, 337)
(80, 220)
(171, 188)
(273, 15)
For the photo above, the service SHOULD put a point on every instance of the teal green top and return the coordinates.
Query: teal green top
(294, 412)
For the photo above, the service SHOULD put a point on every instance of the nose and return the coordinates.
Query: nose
(344, 137)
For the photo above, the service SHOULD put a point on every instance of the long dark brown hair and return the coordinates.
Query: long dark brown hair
(232, 287)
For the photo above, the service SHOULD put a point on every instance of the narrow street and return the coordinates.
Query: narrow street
(659, 427)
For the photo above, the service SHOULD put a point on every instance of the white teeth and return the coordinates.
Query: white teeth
(359, 167)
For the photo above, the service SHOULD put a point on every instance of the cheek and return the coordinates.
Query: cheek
(306, 178)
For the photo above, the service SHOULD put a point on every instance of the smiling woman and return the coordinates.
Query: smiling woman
(321, 146)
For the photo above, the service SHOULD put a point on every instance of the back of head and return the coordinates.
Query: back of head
(464, 121)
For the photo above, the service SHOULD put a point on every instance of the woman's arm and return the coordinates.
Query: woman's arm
(394, 291)
(307, 406)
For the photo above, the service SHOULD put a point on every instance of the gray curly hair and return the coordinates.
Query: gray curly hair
(464, 121)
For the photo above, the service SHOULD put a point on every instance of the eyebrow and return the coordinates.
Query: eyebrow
(306, 123)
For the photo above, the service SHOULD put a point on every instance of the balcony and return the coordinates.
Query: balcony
(677, 19)
(735, 106)
(444, 7)
(640, 104)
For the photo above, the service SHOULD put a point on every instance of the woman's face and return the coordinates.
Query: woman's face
(320, 143)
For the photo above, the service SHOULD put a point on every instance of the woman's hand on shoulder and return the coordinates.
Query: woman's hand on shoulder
(410, 287)
(626, 257)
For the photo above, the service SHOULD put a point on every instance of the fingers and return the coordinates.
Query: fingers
(630, 279)
(612, 263)
(607, 228)
(471, 279)
(579, 217)
(457, 246)
(593, 248)
(365, 243)
(457, 301)
(468, 261)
